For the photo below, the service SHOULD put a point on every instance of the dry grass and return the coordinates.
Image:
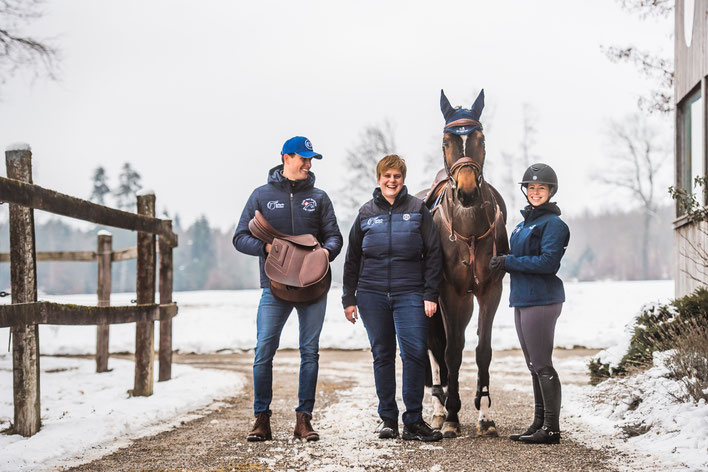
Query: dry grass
(689, 362)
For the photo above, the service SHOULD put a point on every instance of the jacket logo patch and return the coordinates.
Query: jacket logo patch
(273, 204)
(309, 204)
(374, 221)
(406, 217)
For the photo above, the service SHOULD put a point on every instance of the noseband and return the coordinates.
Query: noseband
(459, 164)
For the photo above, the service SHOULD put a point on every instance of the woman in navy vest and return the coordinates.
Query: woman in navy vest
(392, 276)
(537, 246)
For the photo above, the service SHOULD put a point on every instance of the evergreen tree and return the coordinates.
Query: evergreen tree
(129, 184)
(100, 188)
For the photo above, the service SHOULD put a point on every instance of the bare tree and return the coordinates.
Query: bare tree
(638, 153)
(513, 164)
(656, 68)
(375, 141)
(19, 51)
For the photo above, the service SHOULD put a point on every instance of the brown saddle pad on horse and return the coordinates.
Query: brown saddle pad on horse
(297, 266)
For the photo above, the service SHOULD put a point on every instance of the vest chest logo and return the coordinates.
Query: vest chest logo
(374, 221)
(309, 204)
(273, 204)
(406, 217)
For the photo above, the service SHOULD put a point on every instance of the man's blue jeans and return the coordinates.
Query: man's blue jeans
(387, 317)
(271, 317)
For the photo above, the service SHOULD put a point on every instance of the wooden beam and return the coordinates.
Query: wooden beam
(34, 196)
(103, 292)
(165, 350)
(145, 291)
(56, 256)
(80, 315)
(23, 280)
(125, 254)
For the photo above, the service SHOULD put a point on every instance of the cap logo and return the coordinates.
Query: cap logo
(308, 144)
(535, 177)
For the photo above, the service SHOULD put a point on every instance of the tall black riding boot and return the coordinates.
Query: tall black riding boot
(537, 410)
(551, 392)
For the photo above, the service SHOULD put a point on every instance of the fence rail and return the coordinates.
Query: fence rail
(39, 198)
(25, 313)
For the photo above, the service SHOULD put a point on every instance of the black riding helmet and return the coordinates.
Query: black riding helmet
(541, 174)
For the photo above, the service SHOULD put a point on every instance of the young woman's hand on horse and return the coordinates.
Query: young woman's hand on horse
(430, 308)
(497, 263)
(351, 314)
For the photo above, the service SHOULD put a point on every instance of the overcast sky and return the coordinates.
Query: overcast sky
(200, 95)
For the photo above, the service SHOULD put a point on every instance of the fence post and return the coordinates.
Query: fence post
(103, 291)
(23, 283)
(145, 281)
(165, 298)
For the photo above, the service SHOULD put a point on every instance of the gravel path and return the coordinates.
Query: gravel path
(345, 416)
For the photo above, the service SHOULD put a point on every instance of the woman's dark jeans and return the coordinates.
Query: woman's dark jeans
(387, 317)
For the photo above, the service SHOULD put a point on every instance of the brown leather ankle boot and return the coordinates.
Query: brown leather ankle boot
(303, 428)
(261, 429)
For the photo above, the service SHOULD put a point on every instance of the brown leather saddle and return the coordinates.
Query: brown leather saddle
(432, 196)
(297, 266)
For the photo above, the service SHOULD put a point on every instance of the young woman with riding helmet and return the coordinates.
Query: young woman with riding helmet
(536, 248)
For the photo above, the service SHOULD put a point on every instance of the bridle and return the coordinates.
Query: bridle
(448, 194)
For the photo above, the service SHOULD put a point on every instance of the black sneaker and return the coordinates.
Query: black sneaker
(421, 431)
(389, 429)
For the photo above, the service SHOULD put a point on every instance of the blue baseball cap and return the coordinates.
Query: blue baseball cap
(300, 145)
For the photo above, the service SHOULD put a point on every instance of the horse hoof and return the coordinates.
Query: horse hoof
(437, 422)
(450, 429)
(487, 429)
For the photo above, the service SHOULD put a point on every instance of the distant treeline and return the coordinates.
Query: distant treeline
(602, 246)
(608, 246)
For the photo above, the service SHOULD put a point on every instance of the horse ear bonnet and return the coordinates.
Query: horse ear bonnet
(461, 115)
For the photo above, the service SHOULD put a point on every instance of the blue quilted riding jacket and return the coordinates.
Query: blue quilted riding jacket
(393, 249)
(536, 248)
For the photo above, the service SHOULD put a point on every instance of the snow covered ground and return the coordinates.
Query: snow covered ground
(90, 415)
(594, 316)
(75, 400)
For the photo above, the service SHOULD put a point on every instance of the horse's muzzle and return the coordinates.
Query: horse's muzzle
(468, 198)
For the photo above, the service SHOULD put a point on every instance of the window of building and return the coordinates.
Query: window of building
(691, 156)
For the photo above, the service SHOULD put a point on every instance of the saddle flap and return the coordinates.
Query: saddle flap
(295, 265)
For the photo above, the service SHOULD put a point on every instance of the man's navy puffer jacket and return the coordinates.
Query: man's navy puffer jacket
(291, 207)
(393, 249)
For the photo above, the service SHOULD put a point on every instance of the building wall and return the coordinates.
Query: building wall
(691, 73)
(690, 257)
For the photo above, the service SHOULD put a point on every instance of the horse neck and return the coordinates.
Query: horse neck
(474, 220)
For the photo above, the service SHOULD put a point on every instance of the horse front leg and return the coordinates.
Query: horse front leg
(488, 305)
(437, 394)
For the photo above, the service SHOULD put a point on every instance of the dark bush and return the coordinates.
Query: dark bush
(658, 328)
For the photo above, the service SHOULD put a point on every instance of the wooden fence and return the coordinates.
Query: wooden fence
(25, 314)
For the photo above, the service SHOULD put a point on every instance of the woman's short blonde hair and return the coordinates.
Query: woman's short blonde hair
(392, 161)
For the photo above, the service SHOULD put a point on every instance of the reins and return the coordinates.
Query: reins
(448, 195)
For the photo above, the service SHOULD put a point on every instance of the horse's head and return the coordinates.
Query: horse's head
(463, 148)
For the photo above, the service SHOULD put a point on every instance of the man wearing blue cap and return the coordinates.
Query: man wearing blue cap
(293, 205)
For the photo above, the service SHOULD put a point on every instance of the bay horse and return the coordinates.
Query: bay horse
(471, 218)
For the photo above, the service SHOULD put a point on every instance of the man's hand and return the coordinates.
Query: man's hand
(351, 314)
(497, 262)
(268, 246)
(430, 308)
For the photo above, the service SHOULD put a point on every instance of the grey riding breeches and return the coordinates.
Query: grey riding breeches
(535, 326)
